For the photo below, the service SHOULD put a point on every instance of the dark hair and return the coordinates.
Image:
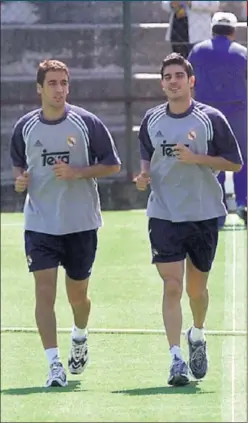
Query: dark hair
(49, 65)
(176, 59)
(223, 30)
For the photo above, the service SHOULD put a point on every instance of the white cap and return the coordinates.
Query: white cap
(224, 19)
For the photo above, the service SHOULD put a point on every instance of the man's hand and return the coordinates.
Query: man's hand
(63, 171)
(184, 154)
(142, 181)
(21, 182)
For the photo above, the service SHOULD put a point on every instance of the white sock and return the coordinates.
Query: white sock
(197, 334)
(52, 355)
(176, 351)
(78, 333)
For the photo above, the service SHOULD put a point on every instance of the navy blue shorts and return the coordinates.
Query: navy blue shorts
(173, 241)
(75, 252)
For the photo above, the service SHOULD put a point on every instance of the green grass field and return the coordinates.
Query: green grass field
(127, 376)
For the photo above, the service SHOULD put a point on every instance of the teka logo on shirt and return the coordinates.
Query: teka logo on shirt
(167, 149)
(49, 159)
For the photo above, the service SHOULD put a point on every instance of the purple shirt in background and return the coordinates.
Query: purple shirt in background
(220, 68)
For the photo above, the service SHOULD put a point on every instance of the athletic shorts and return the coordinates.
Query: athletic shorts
(173, 241)
(75, 252)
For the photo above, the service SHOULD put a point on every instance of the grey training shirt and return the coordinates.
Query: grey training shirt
(80, 139)
(185, 192)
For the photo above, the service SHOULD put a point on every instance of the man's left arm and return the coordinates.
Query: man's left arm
(103, 148)
(104, 160)
(223, 151)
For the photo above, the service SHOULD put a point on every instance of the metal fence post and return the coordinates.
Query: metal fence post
(127, 81)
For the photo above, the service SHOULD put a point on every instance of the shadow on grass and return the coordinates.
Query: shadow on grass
(191, 388)
(73, 386)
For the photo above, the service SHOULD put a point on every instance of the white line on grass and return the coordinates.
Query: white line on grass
(228, 346)
(234, 248)
(125, 331)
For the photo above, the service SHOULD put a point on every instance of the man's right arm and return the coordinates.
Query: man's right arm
(17, 151)
(146, 147)
(146, 152)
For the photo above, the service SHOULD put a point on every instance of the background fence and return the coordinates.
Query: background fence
(114, 51)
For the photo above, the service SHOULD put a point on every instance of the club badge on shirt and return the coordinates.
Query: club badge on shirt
(71, 141)
(191, 135)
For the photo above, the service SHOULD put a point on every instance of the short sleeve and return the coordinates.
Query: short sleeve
(146, 147)
(17, 147)
(224, 142)
(102, 145)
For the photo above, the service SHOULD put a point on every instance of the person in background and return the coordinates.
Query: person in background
(223, 85)
(189, 23)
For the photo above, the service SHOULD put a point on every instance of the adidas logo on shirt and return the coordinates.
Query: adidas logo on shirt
(159, 134)
(38, 144)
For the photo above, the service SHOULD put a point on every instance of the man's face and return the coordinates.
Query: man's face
(55, 89)
(176, 84)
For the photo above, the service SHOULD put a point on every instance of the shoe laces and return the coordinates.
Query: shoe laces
(79, 348)
(177, 364)
(56, 369)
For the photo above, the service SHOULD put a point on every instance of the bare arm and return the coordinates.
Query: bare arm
(96, 171)
(223, 150)
(217, 163)
(145, 166)
(17, 171)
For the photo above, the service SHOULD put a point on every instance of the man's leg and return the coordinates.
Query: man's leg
(201, 247)
(43, 261)
(79, 301)
(45, 294)
(168, 256)
(172, 276)
(196, 287)
(80, 304)
(80, 251)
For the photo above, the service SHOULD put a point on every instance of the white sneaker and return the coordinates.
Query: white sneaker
(78, 357)
(56, 376)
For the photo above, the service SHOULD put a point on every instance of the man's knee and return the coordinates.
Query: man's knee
(77, 292)
(45, 287)
(196, 292)
(173, 289)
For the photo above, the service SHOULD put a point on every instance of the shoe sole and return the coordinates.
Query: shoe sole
(179, 380)
(56, 384)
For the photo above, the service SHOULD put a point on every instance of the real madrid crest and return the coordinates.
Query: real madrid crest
(191, 135)
(71, 141)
